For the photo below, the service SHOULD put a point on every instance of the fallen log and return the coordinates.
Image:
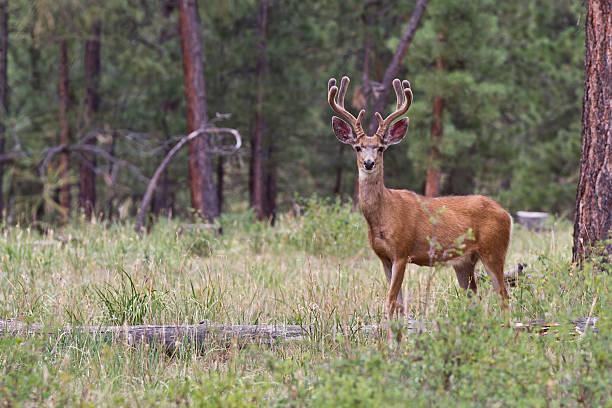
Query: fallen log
(200, 336)
(171, 337)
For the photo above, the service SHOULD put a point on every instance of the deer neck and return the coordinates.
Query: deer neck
(371, 194)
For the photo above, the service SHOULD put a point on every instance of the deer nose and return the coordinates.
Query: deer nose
(368, 164)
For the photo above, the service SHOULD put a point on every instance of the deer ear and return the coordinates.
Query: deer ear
(343, 131)
(397, 132)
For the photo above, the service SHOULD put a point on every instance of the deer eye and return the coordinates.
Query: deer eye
(357, 148)
(381, 149)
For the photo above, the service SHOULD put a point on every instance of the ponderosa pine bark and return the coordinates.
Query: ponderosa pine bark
(269, 201)
(64, 137)
(257, 149)
(87, 176)
(593, 214)
(432, 182)
(220, 180)
(203, 192)
(4, 107)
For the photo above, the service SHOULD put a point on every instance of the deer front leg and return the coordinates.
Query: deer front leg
(397, 277)
(388, 267)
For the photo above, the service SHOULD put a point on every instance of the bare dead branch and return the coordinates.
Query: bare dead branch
(88, 148)
(153, 182)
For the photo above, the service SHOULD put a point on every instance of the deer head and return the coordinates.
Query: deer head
(369, 149)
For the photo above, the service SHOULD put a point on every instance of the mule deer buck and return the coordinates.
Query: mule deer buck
(400, 227)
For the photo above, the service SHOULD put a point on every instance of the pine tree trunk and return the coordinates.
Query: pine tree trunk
(593, 215)
(269, 199)
(87, 177)
(203, 192)
(220, 177)
(110, 204)
(432, 183)
(257, 158)
(64, 130)
(4, 108)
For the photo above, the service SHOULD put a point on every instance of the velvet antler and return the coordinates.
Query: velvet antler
(338, 107)
(403, 94)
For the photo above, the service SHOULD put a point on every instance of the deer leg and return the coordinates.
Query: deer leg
(465, 274)
(397, 276)
(388, 267)
(494, 265)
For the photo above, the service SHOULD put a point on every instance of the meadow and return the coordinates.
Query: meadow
(313, 268)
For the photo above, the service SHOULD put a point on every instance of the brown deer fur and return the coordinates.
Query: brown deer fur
(404, 227)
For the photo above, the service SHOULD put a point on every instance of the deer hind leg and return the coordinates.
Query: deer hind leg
(388, 267)
(397, 277)
(465, 273)
(494, 265)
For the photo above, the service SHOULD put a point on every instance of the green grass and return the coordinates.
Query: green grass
(314, 269)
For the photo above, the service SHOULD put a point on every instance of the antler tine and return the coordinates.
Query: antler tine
(343, 88)
(330, 83)
(338, 107)
(399, 94)
(406, 85)
(404, 100)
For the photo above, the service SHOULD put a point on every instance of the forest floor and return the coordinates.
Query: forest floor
(315, 270)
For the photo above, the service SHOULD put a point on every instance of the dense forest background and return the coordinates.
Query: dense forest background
(510, 76)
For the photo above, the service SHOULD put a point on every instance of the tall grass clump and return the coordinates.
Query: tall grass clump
(124, 303)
